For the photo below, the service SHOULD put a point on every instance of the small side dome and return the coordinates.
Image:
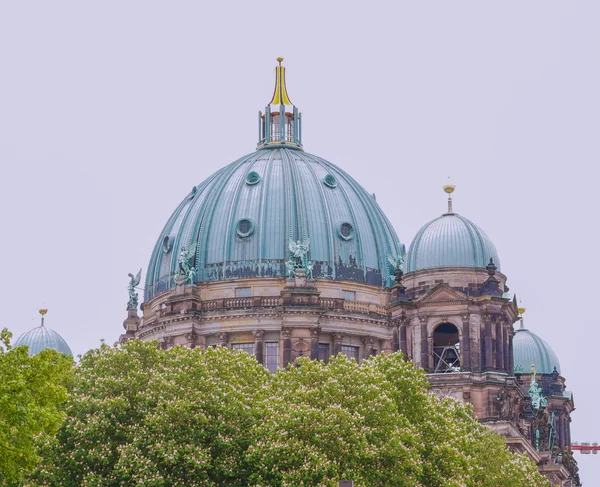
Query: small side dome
(41, 338)
(529, 348)
(450, 240)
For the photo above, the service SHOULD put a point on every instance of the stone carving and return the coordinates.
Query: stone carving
(315, 332)
(337, 337)
(511, 405)
(286, 332)
(191, 338)
(166, 342)
(258, 334)
(223, 339)
(133, 296)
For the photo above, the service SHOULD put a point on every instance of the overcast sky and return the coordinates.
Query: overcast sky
(110, 111)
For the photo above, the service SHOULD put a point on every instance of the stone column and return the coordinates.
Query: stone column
(424, 343)
(337, 343)
(314, 342)
(507, 331)
(223, 339)
(403, 342)
(395, 336)
(511, 356)
(499, 345)
(488, 358)
(286, 333)
(465, 353)
(259, 336)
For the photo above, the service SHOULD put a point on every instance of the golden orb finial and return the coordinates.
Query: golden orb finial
(43, 311)
(449, 188)
(279, 60)
(521, 310)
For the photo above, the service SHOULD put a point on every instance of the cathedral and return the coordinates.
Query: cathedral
(282, 254)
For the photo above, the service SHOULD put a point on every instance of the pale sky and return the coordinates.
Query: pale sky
(111, 111)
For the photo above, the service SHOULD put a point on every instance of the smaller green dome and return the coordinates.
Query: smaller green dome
(450, 240)
(41, 338)
(529, 348)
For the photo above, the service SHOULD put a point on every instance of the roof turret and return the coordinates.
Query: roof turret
(41, 338)
(451, 240)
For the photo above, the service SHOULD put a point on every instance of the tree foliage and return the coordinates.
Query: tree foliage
(141, 416)
(32, 388)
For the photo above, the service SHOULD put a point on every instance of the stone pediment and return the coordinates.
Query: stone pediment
(442, 293)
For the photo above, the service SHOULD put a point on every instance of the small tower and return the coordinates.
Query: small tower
(41, 338)
(281, 124)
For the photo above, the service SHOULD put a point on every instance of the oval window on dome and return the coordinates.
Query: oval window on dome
(345, 230)
(330, 181)
(252, 178)
(245, 228)
(167, 245)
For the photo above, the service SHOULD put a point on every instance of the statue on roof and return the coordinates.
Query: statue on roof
(133, 295)
(397, 263)
(299, 259)
(185, 268)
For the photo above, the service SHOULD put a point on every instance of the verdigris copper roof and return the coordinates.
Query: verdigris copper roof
(240, 222)
(529, 348)
(41, 338)
(450, 240)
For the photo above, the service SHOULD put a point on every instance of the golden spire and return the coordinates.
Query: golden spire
(43, 312)
(280, 96)
(449, 189)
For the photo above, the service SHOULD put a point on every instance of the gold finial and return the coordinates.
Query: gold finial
(521, 310)
(449, 189)
(280, 96)
(43, 312)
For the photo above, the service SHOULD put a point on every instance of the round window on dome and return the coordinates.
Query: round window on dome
(245, 228)
(345, 230)
(330, 181)
(252, 178)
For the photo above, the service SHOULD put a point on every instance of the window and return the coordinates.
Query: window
(446, 348)
(350, 295)
(323, 352)
(245, 228)
(252, 178)
(243, 292)
(350, 352)
(271, 356)
(246, 347)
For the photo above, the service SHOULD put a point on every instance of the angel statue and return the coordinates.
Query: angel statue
(133, 296)
(185, 260)
(299, 253)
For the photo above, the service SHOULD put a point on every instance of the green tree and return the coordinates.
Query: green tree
(141, 416)
(32, 388)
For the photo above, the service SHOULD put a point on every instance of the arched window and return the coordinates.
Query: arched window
(446, 348)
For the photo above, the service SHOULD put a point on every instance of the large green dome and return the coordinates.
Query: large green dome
(240, 221)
